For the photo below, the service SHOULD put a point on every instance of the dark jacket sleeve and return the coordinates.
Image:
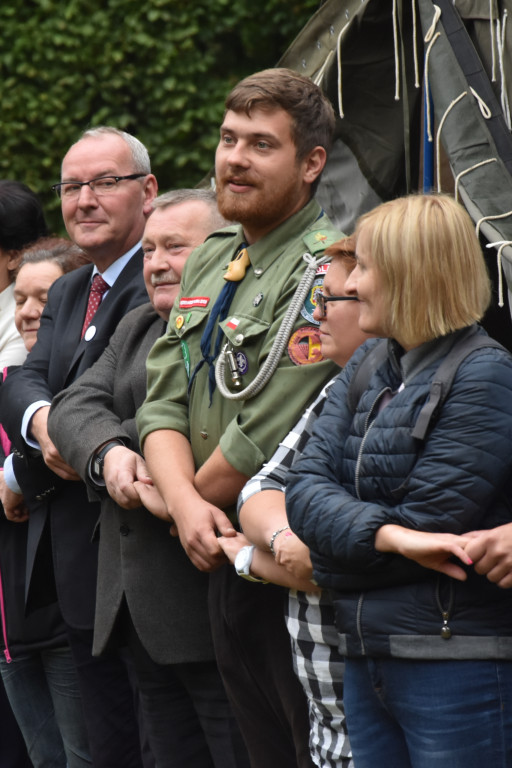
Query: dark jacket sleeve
(101, 404)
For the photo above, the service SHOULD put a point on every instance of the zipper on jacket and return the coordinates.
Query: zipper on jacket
(367, 426)
(4, 626)
(445, 612)
(358, 623)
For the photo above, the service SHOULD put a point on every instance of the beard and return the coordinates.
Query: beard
(258, 210)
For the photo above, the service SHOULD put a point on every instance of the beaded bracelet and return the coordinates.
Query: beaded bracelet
(274, 537)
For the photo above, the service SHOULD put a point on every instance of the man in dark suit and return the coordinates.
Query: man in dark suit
(106, 193)
(149, 595)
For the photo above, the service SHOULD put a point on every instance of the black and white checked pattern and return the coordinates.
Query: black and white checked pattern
(310, 619)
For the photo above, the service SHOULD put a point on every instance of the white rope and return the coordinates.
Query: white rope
(484, 109)
(282, 337)
(500, 37)
(490, 218)
(502, 244)
(427, 85)
(438, 137)
(415, 45)
(468, 170)
(493, 46)
(395, 47)
(320, 74)
(432, 28)
(340, 87)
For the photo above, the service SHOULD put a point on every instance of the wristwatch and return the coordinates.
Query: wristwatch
(243, 562)
(99, 459)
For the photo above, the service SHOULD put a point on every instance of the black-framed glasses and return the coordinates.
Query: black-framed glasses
(321, 300)
(103, 185)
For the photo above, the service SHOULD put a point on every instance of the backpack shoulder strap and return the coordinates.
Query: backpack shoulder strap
(366, 367)
(445, 374)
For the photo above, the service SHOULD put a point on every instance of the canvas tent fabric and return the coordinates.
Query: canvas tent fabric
(374, 59)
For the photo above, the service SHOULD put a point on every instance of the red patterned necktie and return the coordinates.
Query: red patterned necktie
(98, 288)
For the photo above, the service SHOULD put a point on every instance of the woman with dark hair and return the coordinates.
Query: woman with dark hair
(383, 499)
(22, 222)
(36, 664)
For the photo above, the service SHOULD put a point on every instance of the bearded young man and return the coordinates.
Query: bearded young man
(200, 444)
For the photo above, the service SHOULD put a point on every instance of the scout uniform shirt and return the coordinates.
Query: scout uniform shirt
(248, 431)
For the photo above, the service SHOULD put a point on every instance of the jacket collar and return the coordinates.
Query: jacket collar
(407, 365)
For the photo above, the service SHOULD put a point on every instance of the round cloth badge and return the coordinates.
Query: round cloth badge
(310, 301)
(90, 333)
(304, 347)
(179, 321)
(242, 363)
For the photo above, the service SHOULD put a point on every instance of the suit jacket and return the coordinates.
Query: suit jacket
(61, 515)
(138, 559)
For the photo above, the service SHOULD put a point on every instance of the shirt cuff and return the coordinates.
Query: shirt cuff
(27, 417)
(9, 476)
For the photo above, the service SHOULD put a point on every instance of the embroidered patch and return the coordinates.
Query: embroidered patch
(189, 302)
(322, 269)
(233, 323)
(242, 363)
(304, 346)
(310, 301)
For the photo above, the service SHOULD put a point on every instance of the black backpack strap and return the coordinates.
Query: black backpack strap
(445, 374)
(366, 367)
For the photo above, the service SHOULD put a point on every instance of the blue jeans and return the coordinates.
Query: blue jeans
(429, 714)
(43, 692)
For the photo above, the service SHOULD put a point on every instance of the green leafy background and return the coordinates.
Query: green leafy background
(159, 69)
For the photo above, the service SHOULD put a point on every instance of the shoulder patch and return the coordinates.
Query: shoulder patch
(310, 302)
(318, 241)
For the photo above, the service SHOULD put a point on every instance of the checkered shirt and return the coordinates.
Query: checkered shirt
(310, 619)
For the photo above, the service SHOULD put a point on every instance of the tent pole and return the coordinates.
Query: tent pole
(428, 146)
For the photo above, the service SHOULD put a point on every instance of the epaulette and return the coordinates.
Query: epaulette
(318, 241)
(230, 231)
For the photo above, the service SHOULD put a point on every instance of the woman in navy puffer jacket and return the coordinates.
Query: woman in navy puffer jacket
(428, 641)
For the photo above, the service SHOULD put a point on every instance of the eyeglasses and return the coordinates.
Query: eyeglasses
(104, 185)
(321, 300)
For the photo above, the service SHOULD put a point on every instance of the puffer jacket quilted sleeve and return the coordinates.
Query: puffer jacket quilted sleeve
(360, 471)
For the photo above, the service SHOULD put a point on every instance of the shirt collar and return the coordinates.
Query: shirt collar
(111, 274)
(265, 251)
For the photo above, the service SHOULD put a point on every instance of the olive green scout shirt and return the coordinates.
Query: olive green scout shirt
(248, 431)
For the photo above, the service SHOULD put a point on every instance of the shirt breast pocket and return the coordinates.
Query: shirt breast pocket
(188, 321)
(244, 330)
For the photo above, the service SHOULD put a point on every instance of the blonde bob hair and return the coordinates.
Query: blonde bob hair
(433, 275)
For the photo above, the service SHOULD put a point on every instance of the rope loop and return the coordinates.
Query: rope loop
(282, 337)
